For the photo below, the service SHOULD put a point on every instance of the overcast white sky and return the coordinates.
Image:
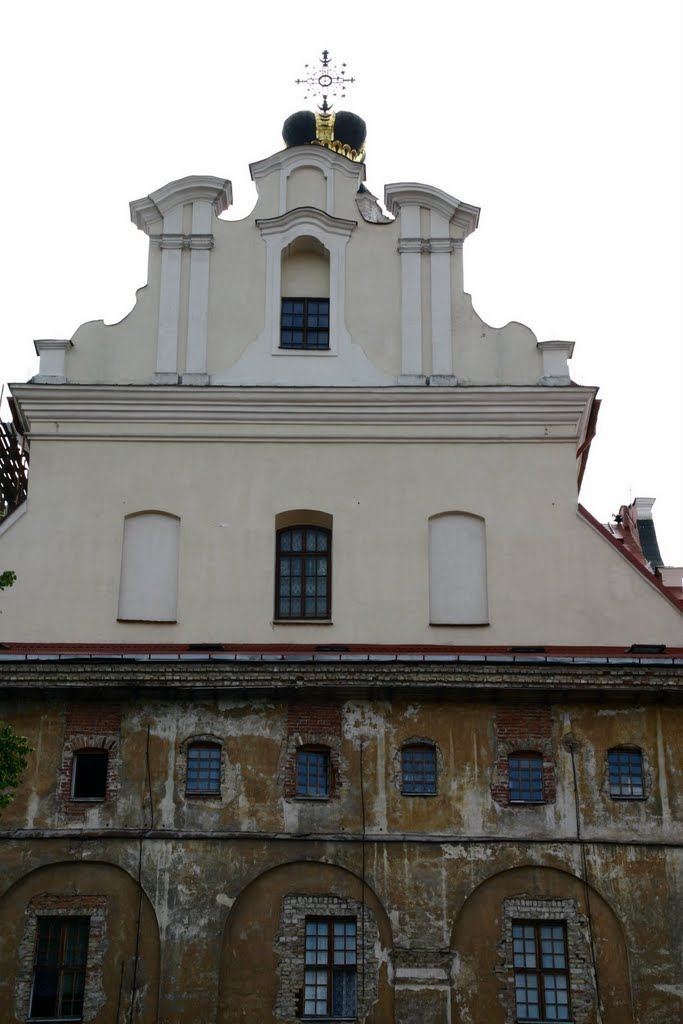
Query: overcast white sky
(560, 119)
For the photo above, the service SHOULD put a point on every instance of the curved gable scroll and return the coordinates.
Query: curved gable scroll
(148, 590)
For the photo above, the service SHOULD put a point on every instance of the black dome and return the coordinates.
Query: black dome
(343, 132)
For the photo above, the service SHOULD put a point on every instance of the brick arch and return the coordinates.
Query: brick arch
(482, 979)
(110, 896)
(251, 966)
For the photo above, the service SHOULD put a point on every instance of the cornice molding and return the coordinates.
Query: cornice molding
(171, 241)
(195, 187)
(307, 156)
(302, 217)
(155, 413)
(413, 193)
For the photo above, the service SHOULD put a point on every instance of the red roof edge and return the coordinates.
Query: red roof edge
(619, 546)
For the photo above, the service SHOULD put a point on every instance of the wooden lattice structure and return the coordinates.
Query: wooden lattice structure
(13, 469)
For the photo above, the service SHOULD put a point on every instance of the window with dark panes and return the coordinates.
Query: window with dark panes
(89, 774)
(313, 773)
(303, 573)
(305, 324)
(541, 968)
(203, 768)
(330, 968)
(626, 774)
(59, 968)
(525, 778)
(418, 769)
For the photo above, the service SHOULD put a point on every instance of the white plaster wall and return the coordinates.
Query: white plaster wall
(305, 275)
(457, 570)
(149, 567)
(552, 579)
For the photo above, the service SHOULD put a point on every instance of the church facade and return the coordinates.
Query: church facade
(342, 708)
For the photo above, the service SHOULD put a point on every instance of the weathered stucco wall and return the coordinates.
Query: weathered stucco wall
(438, 874)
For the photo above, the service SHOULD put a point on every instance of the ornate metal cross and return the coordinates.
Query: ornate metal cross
(329, 80)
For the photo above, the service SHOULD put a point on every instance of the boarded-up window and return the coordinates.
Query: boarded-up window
(149, 568)
(457, 570)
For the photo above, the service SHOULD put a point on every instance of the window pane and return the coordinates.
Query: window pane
(312, 773)
(344, 993)
(525, 778)
(626, 773)
(418, 770)
(203, 769)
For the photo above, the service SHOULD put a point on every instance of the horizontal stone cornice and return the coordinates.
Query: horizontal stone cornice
(476, 414)
(302, 217)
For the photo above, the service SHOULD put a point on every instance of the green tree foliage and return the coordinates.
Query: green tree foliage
(14, 751)
(7, 578)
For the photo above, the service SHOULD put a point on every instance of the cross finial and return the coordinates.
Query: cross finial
(328, 79)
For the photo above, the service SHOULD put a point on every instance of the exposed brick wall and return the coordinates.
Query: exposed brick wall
(527, 728)
(89, 726)
(314, 724)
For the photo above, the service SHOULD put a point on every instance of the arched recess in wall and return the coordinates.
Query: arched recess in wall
(148, 590)
(481, 943)
(263, 940)
(110, 898)
(458, 592)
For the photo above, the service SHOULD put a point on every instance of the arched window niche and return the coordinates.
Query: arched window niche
(306, 248)
(305, 296)
(458, 593)
(148, 590)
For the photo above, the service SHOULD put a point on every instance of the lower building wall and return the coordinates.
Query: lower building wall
(221, 926)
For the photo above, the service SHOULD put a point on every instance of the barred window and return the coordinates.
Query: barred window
(302, 585)
(625, 774)
(330, 968)
(525, 778)
(313, 773)
(541, 971)
(418, 770)
(203, 768)
(305, 324)
(59, 968)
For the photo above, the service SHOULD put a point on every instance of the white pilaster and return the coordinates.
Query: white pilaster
(200, 244)
(171, 243)
(410, 248)
(440, 248)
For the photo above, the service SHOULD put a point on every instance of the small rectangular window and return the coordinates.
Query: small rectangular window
(541, 971)
(313, 773)
(303, 573)
(89, 774)
(60, 959)
(626, 774)
(525, 778)
(330, 968)
(203, 769)
(418, 770)
(305, 324)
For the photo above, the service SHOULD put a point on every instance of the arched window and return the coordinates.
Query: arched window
(203, 769)
(303, 567)
(89, 774)
(457, 570)
(305, 291)
(149, 568)
(625, 766)
(525, 778)
(418, 769)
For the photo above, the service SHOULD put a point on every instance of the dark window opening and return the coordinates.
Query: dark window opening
(59, 968)
(305, 324)
(626, 774)
(302, 585)
(418, 770)
(525, 778)
(330, 968)
(203, 768)
(541, 971)
(313, 773)
(90, 774)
